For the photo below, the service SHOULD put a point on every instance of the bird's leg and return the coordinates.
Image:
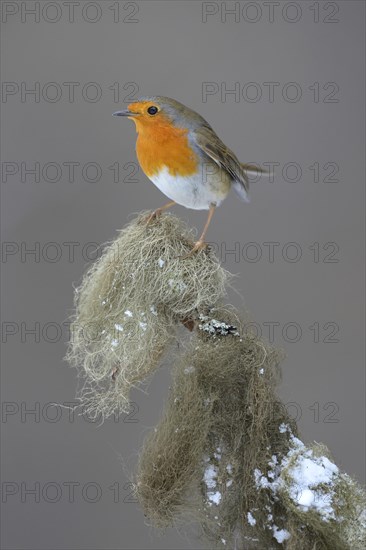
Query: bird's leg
(158, 211)
(201, 241)
(200, 244)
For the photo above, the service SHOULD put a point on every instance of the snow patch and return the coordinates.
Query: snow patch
(215, 497)
(153, 310)
(177, 285)
(209, 478)
(310, 480)
(307, 474)
(229, 468)
(251, 520)
(189, 369)
(280, 534)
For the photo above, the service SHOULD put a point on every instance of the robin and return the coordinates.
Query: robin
(182, 155)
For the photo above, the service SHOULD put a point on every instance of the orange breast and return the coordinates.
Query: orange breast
(165, 145)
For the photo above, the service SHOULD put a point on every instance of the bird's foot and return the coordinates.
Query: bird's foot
(199, 245)
(158, 212)
(153, 216)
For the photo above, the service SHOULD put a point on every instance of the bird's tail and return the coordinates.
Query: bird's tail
(254, 170)
(249, 171)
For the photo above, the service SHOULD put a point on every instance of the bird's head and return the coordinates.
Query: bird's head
(157, 113)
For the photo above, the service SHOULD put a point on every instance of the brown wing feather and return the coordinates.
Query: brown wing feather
(211, 145)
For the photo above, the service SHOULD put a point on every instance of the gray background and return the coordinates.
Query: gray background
(171, 51)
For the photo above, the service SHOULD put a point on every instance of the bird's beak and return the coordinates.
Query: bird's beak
(125, 112)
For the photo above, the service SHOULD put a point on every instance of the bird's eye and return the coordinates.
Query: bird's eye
(152, 110)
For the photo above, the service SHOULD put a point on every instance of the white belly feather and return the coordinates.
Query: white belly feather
(190, 191)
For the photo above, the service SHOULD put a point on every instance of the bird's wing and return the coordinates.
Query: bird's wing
(213, 147)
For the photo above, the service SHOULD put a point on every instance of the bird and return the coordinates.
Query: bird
(182, 155)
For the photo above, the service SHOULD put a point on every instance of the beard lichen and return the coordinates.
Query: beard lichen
(226, 454)
(128, 306)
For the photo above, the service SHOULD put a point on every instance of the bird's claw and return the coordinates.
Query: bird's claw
(155, 214)
(199, 245)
